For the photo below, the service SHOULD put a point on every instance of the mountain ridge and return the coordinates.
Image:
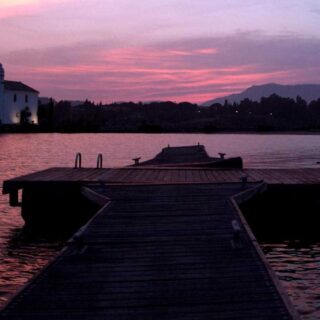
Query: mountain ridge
(308, 92)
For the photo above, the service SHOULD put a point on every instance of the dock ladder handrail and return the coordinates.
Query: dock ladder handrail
(78, 161)
(99, 161)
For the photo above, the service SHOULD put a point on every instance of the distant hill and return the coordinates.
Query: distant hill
(308, 92)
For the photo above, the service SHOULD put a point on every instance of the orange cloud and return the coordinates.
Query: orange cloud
(12, 8)
(12, 3)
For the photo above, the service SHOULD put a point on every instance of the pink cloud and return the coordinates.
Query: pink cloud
(143, 83)
(195, 71)
(207, 51)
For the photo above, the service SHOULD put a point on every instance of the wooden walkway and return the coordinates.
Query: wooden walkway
(156, 252)
(163, 175)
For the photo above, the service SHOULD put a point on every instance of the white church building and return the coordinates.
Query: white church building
(18, 102)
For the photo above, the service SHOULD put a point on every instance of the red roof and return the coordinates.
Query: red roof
(18, 86)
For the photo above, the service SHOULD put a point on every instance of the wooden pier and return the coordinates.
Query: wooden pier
(161, 175)
(168, 243)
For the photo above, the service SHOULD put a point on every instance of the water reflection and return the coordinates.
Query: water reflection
(21, 257)
(298, 266)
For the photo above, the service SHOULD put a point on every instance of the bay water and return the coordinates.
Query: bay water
(297, 265)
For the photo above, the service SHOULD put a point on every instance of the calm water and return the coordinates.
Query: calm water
(297, 266)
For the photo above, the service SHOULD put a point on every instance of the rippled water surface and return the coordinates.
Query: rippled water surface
(20, 256)
(298, 267)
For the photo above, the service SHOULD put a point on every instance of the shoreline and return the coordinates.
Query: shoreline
(290, 132)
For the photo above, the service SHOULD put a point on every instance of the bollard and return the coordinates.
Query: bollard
(99, 161)
(136, 161)
(236, 239)
(244, 180)
(78, 161)
(222, 155)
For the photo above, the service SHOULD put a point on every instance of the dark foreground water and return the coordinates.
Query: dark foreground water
(297, 265)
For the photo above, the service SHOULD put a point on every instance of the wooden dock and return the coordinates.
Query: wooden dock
(157, 252)
(168, 243)
(161, 175)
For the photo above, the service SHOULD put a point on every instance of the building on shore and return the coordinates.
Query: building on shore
(18, 102)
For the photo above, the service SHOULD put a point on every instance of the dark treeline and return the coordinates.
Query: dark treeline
(272, 113)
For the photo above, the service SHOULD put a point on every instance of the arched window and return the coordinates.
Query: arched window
(26, 98)
(14, 98)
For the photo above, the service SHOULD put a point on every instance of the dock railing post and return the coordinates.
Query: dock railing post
(99, 161)
(78, 161)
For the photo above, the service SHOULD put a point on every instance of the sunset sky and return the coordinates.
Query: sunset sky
(145, 50)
